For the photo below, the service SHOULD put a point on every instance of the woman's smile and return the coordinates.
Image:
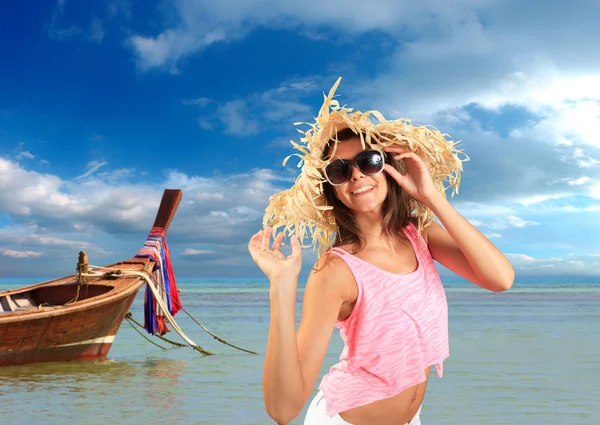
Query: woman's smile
(363, 190)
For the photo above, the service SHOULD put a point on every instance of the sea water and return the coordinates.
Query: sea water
(529, 356)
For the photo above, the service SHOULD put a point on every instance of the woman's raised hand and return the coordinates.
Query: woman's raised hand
(271, 261)
(417, 182)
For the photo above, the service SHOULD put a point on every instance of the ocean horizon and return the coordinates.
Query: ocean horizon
(519, 281)
(527, 356)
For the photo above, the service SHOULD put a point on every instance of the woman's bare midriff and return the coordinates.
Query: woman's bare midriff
(397, 410)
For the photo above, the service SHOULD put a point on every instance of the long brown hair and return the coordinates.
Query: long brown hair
(396, 208)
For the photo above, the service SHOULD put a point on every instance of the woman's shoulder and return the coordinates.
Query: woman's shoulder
(330, 262)
(332, 271)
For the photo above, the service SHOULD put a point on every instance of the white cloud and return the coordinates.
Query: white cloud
(486, 58)
(205, 124)
(62, 34)
(573, 266)
(477, 211)
(200, 101)
(572, 181)
(62, 217)
(209, 196)
(487, 217)
(19, 254)
(204, 23)
(573, 208)
(512, 221)
(112, 175)
(536, 199)
(41, 240)
(20, 189)
(213, 205)
(25, 154)
(520, 257)
(573, 127)
(92, 167)
(260, 111)
(235, 116)
(192, 252)
(57, 31)
(171, 45)
(588, 162)
(476, 223)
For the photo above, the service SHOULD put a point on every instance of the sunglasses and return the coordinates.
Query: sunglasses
(368, 162)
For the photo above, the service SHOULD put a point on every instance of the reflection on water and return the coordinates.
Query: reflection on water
(111, 389)
(65, 370)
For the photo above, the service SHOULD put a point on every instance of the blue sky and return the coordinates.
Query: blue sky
(105, 104)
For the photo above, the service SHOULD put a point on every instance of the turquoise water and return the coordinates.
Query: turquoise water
(529, 356)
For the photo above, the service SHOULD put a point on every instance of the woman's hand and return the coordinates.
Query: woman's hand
(417, 181)
(271, 261)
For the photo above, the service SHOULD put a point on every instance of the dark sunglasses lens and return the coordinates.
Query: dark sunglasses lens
(338, 172)
(370, 162)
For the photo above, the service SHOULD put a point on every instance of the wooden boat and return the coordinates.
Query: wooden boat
(74, 317)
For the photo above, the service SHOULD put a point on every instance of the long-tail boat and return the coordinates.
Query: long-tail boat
(78, 316)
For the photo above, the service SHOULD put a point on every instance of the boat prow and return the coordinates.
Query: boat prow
(77, 316)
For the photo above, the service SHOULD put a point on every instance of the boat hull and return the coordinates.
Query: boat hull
(66, 335)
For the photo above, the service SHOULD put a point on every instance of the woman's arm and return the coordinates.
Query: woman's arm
(293, 359)
(461, 247)
(466, 251)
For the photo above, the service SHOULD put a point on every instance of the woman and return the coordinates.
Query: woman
(368, 196)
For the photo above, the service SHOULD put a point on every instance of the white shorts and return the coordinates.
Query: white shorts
(315, 415)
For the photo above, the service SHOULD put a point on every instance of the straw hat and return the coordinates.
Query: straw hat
(302, 209)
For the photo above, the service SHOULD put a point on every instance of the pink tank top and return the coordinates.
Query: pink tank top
(398, 327)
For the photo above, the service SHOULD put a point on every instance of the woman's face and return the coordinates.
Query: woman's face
(361, 193)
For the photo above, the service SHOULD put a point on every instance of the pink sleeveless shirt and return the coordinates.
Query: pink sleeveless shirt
(398, 327)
